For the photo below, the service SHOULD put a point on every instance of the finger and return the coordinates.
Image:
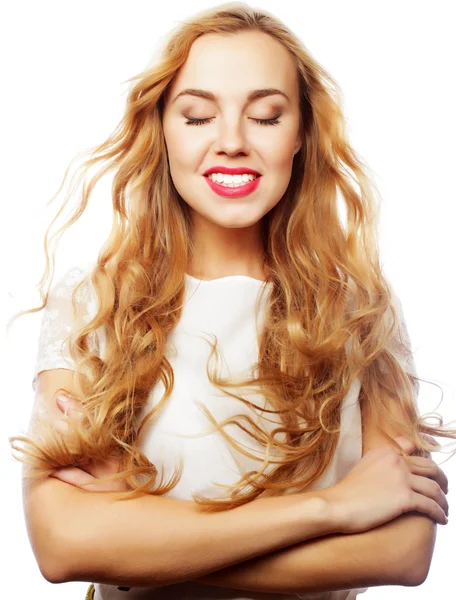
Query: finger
(410, 448)
(432, 441)
(428, 507)
(78, 478)
(86, 481)
(428, 468)
(407, 446)
(73, 475)
(69, 406)
(435, 446)
(99, 469)
(431, 489)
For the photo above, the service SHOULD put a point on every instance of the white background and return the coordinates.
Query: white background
(63, 64)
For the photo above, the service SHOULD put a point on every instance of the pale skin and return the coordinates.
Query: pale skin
(227, 230)
(228, 243)
(398, 551)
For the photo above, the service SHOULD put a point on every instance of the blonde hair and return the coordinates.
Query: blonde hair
(328, 292)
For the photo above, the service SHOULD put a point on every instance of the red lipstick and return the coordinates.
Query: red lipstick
(231, 170)
(233, 192)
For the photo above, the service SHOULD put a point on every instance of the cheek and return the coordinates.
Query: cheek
(280, 161)
(288, 142)
(184, 150)
(278, 149)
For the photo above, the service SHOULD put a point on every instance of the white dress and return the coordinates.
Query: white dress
(224, 307)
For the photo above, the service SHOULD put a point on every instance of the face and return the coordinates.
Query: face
(260, 134)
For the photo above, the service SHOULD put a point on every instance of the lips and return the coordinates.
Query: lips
(234, 192)
(231, 170)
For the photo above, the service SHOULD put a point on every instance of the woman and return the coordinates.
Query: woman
(243, 302)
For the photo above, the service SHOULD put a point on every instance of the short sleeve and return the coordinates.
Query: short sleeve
(400, 344)
(58, 321)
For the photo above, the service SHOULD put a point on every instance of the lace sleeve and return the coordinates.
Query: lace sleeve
(58, 322)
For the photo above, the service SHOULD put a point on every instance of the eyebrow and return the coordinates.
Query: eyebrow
(253, 95)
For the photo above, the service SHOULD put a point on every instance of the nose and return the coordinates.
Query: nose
(231, 137)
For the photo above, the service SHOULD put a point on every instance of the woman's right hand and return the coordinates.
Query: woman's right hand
(384, 485)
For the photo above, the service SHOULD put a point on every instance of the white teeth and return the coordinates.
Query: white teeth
(232, 180)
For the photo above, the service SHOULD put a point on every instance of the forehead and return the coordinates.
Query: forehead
(232, 65)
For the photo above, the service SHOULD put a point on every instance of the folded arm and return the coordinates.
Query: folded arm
(78, 535)
(260, 546)
(396, 553)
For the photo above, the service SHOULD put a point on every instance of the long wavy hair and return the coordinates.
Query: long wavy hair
(328, 293)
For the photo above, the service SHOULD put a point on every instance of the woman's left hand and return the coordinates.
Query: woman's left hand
(97, 470)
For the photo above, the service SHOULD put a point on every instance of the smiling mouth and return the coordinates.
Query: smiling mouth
(234, 184)
(234, 190)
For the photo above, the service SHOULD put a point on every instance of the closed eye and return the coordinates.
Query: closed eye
(273, 121)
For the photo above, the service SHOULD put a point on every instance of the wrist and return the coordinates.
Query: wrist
(333, 513)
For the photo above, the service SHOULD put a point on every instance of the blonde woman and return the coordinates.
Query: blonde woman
(226, 398)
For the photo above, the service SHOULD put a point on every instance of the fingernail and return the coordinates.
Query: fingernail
(63, 403)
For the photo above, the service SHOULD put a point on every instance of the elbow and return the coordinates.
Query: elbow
(50, 557)
(418, 554)
(53, 534)
(417, 572)
(63, 559)
(51, 574)
(416, 576)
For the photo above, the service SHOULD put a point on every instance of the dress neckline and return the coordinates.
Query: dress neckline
(228, 278)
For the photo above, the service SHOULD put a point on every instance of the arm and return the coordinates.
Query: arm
(86, 536)
(335, 562)
(396, 553)
(380, 556)
(78, 535)
(262, 574)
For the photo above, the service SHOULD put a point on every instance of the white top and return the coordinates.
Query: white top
(224, 307)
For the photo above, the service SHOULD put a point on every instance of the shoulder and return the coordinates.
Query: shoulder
(62, 298)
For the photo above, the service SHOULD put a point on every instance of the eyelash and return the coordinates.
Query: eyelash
(273, 121)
